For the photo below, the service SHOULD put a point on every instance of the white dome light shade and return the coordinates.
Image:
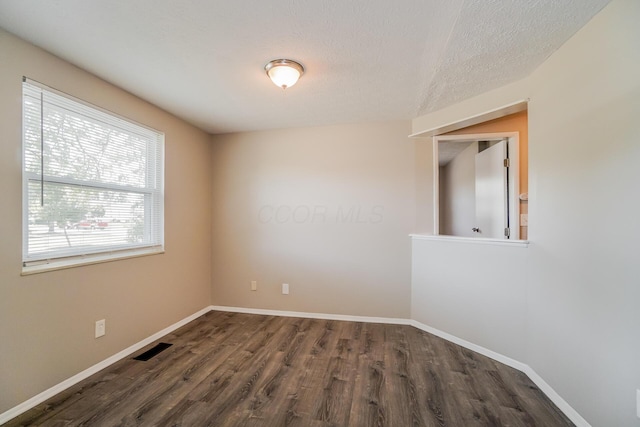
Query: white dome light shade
(284, 73)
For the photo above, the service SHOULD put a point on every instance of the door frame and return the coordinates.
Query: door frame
(513, 141)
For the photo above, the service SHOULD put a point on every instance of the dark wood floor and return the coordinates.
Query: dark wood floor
(228, 369)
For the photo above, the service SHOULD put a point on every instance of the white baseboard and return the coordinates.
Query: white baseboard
(471, 346)
(325, 316)
(49, 393)
(542, 384)
(562, 404)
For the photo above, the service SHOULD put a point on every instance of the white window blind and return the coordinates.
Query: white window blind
(92, 181)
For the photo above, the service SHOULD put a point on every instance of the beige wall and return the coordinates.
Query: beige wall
(423, 165)
(47, 320)
(327, 210)
(577, 319)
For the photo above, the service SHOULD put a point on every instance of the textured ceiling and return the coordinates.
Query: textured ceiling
(366, 60)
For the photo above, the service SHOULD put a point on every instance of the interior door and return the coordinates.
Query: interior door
(492, 192)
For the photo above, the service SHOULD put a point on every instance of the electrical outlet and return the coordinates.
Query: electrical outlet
(524, 220)
(285, 289)
(254, 285)
(101, 328)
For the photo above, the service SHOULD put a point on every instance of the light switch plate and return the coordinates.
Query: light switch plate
(101, 328)
(524, 220)
(285, 289)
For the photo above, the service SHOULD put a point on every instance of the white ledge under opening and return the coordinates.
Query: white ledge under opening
(80, 260)
(472, 240)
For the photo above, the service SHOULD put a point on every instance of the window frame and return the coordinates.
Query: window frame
(152, 194)
(513, 206)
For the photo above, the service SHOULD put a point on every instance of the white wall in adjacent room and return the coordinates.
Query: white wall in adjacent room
(577, 322)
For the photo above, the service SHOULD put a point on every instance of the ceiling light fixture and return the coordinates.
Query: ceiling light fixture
(284, 73)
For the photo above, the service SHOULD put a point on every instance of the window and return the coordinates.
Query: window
(92, 183)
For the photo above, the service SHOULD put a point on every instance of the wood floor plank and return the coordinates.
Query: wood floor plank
(275, 400)
(305, 399)
(334, 405)
(429, 387)
(225, 380)
(271, 388)
(367, 403)
(233, 369)
(168, 371)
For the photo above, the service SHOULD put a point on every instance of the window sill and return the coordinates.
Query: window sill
(472, 240)
(64, 263)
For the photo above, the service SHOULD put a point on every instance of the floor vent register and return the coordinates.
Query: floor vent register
(152, 352)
